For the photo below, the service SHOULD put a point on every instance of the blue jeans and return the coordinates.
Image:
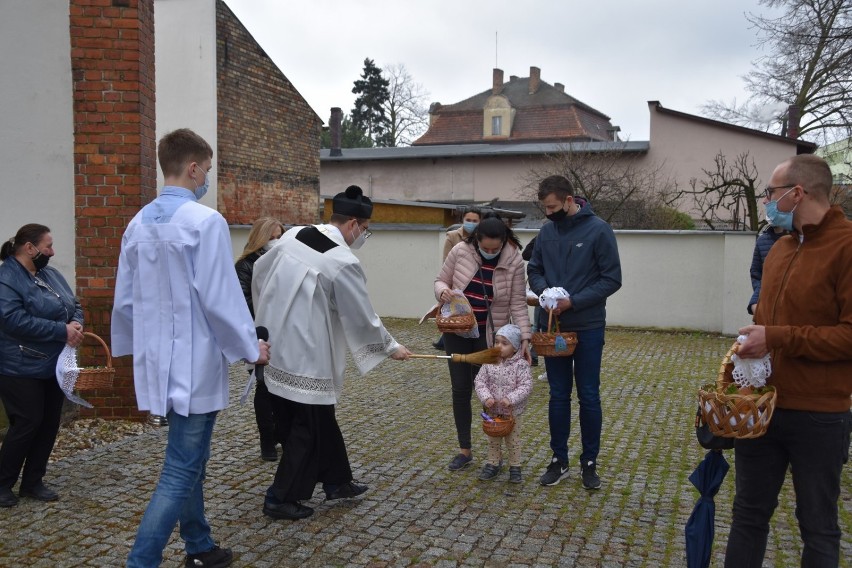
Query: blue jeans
(814, 445)
(584, 367)
(179, 496)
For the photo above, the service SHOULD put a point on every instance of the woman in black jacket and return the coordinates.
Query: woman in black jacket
(264, 234)
(38, 316)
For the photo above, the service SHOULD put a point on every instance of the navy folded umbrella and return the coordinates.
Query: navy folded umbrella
(700, 528)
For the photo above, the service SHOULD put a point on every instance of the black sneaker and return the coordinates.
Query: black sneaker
(555, 472)
(214, 558)
(590, 476)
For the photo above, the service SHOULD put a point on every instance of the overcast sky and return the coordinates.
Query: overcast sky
(612, 55)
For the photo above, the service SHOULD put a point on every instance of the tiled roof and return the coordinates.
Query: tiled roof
(548, 114)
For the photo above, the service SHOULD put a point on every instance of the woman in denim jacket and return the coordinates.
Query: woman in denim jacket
(39, 315)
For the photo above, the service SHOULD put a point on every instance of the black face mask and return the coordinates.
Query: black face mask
(557, 215)
(40, 260)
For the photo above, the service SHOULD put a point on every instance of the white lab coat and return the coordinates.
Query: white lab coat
(315, 305)
(179, 308)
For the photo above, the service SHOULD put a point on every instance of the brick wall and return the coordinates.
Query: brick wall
(268, 136)
(112, 63)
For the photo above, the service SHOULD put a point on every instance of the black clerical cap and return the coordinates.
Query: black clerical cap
(352, 203)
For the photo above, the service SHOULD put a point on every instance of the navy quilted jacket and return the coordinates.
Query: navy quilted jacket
(765, 240)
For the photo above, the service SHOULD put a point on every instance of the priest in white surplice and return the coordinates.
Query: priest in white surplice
(310, 292)
(179, 310)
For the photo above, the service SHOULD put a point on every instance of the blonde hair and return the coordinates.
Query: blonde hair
(261, 233)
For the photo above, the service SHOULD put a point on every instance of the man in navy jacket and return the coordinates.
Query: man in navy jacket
(576, 251)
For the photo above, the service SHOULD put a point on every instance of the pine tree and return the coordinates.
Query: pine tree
(368, 115)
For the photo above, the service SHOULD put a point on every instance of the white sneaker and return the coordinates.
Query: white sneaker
(543, 376)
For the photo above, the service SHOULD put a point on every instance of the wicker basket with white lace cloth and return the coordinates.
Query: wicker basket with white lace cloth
(735, 413)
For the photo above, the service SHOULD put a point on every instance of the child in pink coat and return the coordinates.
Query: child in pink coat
(503, 388)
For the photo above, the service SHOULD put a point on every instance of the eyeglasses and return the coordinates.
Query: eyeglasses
(767, 191)
(367, 234)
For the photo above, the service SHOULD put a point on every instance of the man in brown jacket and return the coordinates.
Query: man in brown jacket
(804, 320)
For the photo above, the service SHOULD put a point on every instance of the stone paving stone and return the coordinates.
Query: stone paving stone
(400, 436)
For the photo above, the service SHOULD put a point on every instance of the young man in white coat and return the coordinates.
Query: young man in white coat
(178, 309)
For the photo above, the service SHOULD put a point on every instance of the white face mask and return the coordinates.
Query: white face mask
(201, 190)
(269, 244)
(359, 241)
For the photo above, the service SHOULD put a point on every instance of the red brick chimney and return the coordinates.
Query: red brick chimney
(497, 83)
(794, 117)
(334, 130)
(535, 79)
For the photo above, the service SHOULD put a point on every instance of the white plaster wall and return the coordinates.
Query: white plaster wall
(185, 61)
(37, 124)
(696, 280)
(673, 280)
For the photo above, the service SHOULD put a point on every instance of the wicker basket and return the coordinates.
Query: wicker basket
(453, 324)
(532, 301)
(545, 343)
(459, 322)
(499, 426)
(735, 415)
(96, 377)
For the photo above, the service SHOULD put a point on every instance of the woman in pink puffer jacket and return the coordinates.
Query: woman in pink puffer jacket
(489, 270)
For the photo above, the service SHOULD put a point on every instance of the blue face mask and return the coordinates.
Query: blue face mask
(469, 226)
(780, 219)
(490, 255)
(201, 190)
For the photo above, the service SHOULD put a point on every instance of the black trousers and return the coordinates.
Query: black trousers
(34, 409)
(314, 450)
(264, 414)
(461, 380)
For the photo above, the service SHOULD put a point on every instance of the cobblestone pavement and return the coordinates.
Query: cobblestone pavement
(400, 435)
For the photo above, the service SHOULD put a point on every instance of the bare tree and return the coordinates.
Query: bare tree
(727, 197)
(807, 64)
(622, 190)
(405, 107)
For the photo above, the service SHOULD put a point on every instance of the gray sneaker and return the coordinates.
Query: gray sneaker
(489, 471)
(555, 472)
(590, 476)
(515, 474)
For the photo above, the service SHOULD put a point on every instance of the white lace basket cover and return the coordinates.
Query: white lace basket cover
(67, 373)
(750, 372)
